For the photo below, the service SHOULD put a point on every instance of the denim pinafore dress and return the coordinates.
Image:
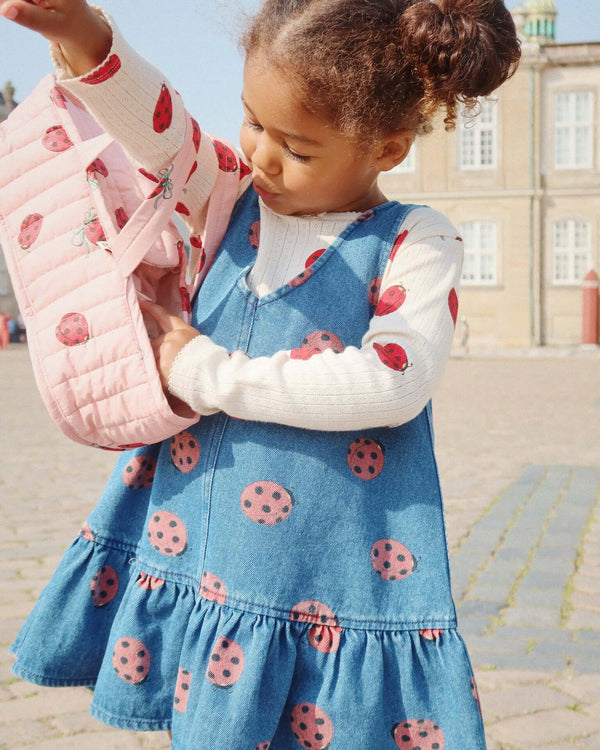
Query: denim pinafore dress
(251, 585)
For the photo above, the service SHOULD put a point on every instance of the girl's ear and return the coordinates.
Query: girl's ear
(394, 149)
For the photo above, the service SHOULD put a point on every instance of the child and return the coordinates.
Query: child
(277, 576)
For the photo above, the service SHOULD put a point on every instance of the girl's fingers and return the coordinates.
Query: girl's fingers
(165, 320)
(38, 18)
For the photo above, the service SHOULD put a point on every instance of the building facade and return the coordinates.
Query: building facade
(521, 182)
(8, 303)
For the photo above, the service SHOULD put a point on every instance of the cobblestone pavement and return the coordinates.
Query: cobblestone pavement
(518, 443)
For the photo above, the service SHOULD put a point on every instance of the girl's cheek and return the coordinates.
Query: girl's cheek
(247, 145)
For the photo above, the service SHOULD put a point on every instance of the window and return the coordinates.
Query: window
(571, 251)
(409, 164)
(478, 137)
(480, 239)
(573, 128)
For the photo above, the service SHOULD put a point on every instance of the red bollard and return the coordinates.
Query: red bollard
(590, 309)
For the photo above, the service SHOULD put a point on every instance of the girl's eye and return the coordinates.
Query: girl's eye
(294, 155)
(252, 125)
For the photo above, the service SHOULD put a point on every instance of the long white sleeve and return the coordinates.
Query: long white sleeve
(356, 388)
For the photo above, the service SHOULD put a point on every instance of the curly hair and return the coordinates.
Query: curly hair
(373, 67)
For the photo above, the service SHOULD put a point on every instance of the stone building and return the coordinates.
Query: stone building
(522, 184)
(8, 303)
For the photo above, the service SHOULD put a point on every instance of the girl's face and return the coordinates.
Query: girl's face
(300, 163)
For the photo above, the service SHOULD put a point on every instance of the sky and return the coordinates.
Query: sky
(194, 43)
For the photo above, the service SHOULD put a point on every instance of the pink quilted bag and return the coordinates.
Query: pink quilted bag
(83, 233)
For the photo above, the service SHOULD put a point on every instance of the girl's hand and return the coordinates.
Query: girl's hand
(85, 39)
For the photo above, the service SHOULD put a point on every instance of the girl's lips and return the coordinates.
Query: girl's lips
(264, 193)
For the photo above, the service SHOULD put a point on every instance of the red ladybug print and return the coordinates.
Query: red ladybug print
(391, 560)
(182, 690)
(87, 533)
(104, 72)
(244, 170)
(192, 170)
(167, 533)
(418, 734)
(73, 329)
(313, 257)
(121, 217)
(93, 231)
(431, 634)
(311, 726)
(213, 588)
(226, 663)
(104, 586)
(225, 156)
(148, 582)
(186, 303)
(56, 139)
(366, 458)
(196, 134)
(139, 472)
(316, 343)
(266, 503)
(453, 304)
(374, 291)
(398, 243)
(182, 209)
(58, 98)
(391, 300)
(163, 111)
(301, 278)
(30, 230)
(325, 638)
(97, 167)
(325, 633)
(131, 660)
(392, 356)
(254, 235)
(185, 452)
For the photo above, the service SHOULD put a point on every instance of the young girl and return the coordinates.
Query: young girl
(277, 576)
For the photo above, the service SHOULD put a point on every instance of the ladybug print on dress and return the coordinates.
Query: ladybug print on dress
(185, 452)
(431, 634)
(182, 690)
(301, 278)
(398, 243)
(104, 586)
(73, 329)
(30, 230)
(212, 588)
(392, 299)
(226, 663)
(453, 304)
(192, 170)
(148, 582)
(104, 72)
(225, 156)
(58, 98)
(316, 343)
(374, 291)
(196, 134)
(244, 170)
(266, 503)
(254, 235)
(392, 356)
(131, 660)
(418, 734)
(87, 533)
(139, 472)
(163, 111)
(95, 169)
(56, 139)
(366, 458)
(90, 233)
(325, 633)
(311, 726)
(167, 533)
(391, 560)
(313, 257)
(121, 217)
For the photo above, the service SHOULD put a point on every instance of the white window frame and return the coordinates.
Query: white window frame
(573, 130)
(409, 165)
(478, 138)
(571, 251)
(480, 266)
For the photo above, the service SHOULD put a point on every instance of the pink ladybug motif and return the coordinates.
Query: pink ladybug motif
(225, 156)
(453, 304)
(167, 533)
(56, 139)
(87, 533)
(148, 582)
(131, 660)
(95, 169)
(254, 235)
(311, 726)
(73, 329)
(391, 560)
(196, 135)
(325, 638)
(431, 634)
(163, 111)
(325, 633)
(139, 472)
(121, 217)
(313, 257)
(391, 300)
(266, 503)
(398, 244)
(316, 343)
(226, 663)
(104, 72)
(366, 458)
(392, 356)
(30, 230)
(90, 232)
(58, 98)
(301, 278)
(212, 588)
(418, 734)
(182, 690)
(185, 452)
(93, 230)
(374, 291)
(104, 586)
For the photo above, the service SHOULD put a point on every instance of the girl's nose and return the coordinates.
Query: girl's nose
(266, 155)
